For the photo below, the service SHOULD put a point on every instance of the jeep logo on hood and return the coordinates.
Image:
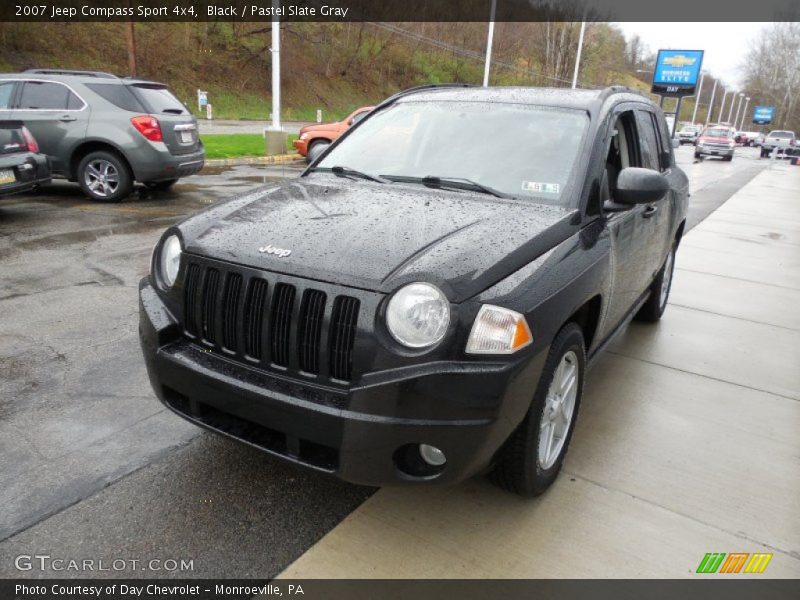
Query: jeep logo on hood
(279, 252)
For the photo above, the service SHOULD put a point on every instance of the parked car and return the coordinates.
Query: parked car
(103, 131)
(689, 133)
(314, 139)
(749, 138)
(406, 314)
(778, 140)
(717, 140)
(22, 167)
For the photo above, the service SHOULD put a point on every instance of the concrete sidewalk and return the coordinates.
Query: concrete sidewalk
(687, 441)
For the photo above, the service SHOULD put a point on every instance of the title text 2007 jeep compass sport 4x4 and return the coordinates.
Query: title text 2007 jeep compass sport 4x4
(103, 131)
(420, 305)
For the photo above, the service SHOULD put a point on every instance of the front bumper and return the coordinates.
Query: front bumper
(362, 433)
(711, 151)
(301, 146)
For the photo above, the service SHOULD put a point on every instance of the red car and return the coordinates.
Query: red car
(314, 139)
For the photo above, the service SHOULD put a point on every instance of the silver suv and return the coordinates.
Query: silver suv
(103, 131)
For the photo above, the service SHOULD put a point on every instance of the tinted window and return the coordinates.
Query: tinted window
(158, 99)
(647, 140)
(45, 95)
(6, 90)
(469, 140)
(119, 95)
(782, 134)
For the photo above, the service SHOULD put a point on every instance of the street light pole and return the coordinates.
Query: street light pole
(722, 107)
(489, 41)
(730, 112)
(738, 108)
(711, 104)
(578, 56)
(697, 97)
(744, 112)
(276, 70)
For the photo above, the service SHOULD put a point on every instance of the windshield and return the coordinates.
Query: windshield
(717, 133)
(518, 150)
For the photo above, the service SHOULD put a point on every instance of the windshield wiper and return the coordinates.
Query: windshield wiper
(459, 183)
(340, 171)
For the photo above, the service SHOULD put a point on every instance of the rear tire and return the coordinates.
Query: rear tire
(652, 310)
(105, 177)
(530, 460)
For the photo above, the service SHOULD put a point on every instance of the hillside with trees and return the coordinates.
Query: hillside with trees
(339, 66)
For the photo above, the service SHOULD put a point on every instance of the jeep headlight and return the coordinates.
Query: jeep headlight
(418, 315)
(303, 136)
(169, 260)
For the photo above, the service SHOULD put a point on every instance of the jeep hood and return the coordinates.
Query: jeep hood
(379, 236)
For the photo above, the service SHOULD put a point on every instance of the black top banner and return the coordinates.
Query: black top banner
(400, 10)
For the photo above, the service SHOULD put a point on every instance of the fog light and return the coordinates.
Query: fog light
(432, 455)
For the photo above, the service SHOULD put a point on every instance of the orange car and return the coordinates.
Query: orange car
(315, 138)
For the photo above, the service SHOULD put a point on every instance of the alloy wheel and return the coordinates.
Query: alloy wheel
(558, 410)
(102, 178)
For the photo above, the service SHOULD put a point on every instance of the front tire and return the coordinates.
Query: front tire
(105, 177)
(653, 309)
(530, 460)
(316, 149)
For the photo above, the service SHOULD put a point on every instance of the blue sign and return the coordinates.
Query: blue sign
(763, 115)
(677, 71)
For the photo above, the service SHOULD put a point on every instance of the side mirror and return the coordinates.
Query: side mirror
(640, 186)
(676, 143)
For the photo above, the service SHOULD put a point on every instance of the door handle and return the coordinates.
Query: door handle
(67, 118)
(649, 212)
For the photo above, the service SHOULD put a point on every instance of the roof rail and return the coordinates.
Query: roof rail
(422, 88)
(99, 74)
(614, 89)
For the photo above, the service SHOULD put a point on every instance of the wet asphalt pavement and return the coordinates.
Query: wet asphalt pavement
(91, 465)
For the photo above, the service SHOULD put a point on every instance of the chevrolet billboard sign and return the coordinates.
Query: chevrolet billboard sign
(677, 72)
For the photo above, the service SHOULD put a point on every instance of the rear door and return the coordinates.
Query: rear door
(178, 126)
(56, 116)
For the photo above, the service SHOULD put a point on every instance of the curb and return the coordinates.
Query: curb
(252, 160)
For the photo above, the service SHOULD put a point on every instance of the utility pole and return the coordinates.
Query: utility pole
(130, 35)
(578, 56)
(487, 64)
(711, 104)
(697, 97)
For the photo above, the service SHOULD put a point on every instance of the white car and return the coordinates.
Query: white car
(689, 134)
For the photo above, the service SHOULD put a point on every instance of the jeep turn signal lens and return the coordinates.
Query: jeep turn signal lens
(498, 330)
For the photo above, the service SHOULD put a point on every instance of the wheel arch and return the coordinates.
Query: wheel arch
(89, 146)
(587, 317)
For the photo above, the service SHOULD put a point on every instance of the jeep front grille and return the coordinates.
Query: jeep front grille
(247, 317)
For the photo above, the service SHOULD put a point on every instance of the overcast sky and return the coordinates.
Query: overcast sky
(725, 44)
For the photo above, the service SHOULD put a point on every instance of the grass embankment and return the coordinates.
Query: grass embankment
(235, 145)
